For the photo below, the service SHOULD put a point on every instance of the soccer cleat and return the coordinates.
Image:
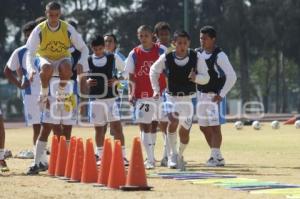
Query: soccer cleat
(164, 162)
(43, 102)
(33, 170)
(43, 166)
(3, 166)
(172, 161)
(181, 163)
(126, 162)
(25, 154)
(212, 162)
(149, 165)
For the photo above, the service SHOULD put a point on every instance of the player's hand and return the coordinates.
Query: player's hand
(131, 99)
(91, 82)
(31, 75)
(79, 69)
(156, 96)
(112, 82)
(24, 84)
(217, 99)
(192, 75)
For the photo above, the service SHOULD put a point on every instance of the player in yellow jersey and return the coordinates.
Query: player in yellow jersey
(48, 46)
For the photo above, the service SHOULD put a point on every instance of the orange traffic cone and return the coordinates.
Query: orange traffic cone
(53, 156)
(61, 157)
(77, 161)
(117, 175)
(70, 157)
(136, 178)
(105, 163)
(89, 169)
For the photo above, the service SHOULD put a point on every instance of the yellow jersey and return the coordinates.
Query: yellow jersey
(54, 45)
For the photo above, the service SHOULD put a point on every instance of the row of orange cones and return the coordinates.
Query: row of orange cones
(75, 164)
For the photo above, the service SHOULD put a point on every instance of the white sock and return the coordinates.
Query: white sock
(44, 158)
(40, 149)
(99, 151)
(44, 91)
(166, 150)
(61, 90)
(216, 153)
(181, 149)
(153, 138)
(1, 154)
(147, 141)
(123, 152)
(172, 139)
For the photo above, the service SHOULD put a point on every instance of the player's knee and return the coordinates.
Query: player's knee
(65, 70)
(46, 70)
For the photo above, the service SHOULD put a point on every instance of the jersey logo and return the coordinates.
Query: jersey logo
(55, 46)
(145, 68)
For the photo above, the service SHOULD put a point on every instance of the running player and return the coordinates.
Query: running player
(3, 165)
(140, 93)
(211, 108)
(180, 67)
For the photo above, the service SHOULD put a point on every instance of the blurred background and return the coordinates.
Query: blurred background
(261, 38)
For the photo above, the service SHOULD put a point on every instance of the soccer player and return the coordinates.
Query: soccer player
(180, 67)
(50, 42)
(30, 90)
(212, 96)
(140, 93)
(103, 93)
(3, 165)
(162, 32)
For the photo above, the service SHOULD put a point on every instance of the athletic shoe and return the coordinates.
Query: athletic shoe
(164, 162)
(43, 101)
(181, 163)
(212, 162)
(172, 161)
(43, 166)
(25, 154)
(33, 170)
(126, 162)
(3, 166)
(7, 154)
(98, 162)
(149, 165)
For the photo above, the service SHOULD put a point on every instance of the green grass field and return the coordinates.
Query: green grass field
(267, 155)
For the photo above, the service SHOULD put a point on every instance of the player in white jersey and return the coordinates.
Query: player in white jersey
(3, 165)
(211, 108)
(30, 90)
(180, 67)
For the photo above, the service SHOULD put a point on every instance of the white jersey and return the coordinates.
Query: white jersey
(18, 60)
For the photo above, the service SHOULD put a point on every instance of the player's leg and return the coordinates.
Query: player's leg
(65, 73)
(57, 130)
(154, 126)
(166, 149)
(67, 132)
(46, 72)
(116, 127)
(99, 139)
(36, 132)
(41, 145)
(207, 134)
(3, 165)
(172, 139)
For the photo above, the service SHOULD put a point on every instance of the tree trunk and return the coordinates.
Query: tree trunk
(245, 83)
(277, 80)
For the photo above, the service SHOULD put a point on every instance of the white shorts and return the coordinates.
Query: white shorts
(56, 114)
(54, 63)
(103, 111)
(32, 112)
(145, 110)
(210, 113)
(183, 106)
(160, 114)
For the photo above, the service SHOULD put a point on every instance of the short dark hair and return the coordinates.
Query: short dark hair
(111, 35)
(146, 28)
(40, 19)
(53, 6)
(98, 40)
(73, 23)
(209, 30)
(162, 25)
(28, 27)
(181, 33)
